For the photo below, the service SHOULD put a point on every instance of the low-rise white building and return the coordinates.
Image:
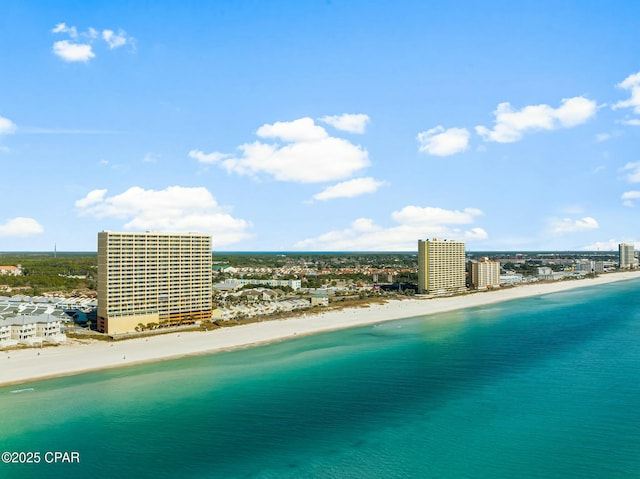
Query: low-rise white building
(31, 330)
(319, 300)
(544, 272)
(234, 283)
(258, 294)
(48, 327)
(511, 279)
(22, 329)
(5, 331)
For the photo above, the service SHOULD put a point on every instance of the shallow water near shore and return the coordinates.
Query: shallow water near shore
(543, 387)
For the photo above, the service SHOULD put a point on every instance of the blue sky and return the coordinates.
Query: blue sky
(321, 125)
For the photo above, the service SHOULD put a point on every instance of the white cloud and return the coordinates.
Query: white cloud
(630, 122)
(633, 169)
(412, 223)
(601, 137)
(62, 28)
(511, 125)
(561, 226)
(418, 215)
(114, 40)
(351, 123)
(440, 142)
(308, 155)
(6, 126)
(73, 52)
(350, 189)
(303, 129)
(174, 209)
(574, 111)
(80, 48)
(150, 158)
(20, 227)
(203, 157)
(630, 198)
(631, 83)
(92, 198)
(609, 245)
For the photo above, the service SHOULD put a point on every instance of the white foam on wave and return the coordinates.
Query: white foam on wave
(17, 391)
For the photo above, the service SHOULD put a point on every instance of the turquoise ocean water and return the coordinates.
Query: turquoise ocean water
(545, 387)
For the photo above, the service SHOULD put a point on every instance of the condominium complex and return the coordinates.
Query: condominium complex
(235, 283)
(590, 266)
(627, 256)
(152, 277)
(484, 274)
(441, 266)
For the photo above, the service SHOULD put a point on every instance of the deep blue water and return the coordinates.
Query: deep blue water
(545, 387)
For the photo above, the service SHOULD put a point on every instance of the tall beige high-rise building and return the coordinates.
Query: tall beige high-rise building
(152, 277)
(484, 274)
(441, 266)
(627, 258)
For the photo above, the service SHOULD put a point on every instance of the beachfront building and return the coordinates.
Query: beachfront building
(5, 332)
(511, 279)
(626, 255)
(484, 274)
(319, 299)
(590, 266)
(152, 277)
(544, 273)
(441, 267)
(30, 330)
(235, 283)
(23, 330)
(48, 327)
(586, 266)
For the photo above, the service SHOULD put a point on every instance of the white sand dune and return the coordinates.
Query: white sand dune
(19, 366)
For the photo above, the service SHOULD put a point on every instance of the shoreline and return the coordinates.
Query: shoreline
(23, 366)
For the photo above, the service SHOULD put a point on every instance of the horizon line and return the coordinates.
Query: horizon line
(327, 252)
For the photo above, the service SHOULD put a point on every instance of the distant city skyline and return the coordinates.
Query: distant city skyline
(321, 126)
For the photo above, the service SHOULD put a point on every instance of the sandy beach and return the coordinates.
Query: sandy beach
(24, 365)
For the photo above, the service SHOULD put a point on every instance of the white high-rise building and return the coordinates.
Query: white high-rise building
(627, 257)
(484, 274)
(441, 267)
(152, 278)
